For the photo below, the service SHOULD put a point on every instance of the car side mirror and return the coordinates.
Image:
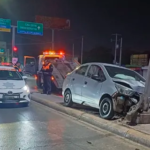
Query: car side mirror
(24, 77)
(96, 77)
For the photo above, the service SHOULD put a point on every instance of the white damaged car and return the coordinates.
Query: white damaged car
(12, 87)
(111, 89)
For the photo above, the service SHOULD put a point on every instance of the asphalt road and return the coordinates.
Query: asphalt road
(38, 127)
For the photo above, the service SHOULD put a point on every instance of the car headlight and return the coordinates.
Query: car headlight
(124, 90)
(26, 88)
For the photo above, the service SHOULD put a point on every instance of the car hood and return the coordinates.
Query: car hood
(137, 86)
(11, 84)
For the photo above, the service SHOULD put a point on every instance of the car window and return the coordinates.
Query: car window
(9, 75)
(82, 70)
(96, 70)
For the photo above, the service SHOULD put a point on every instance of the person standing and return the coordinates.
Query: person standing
(19, 66)
(47, 70)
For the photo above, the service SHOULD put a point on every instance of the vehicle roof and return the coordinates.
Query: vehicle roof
(6, 67)
(48, 55)
(105, 64)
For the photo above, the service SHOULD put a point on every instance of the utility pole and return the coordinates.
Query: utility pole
(116, 46)
(53, 33)
(8, 55)
(73, 51)
(82, 50)
(13, 38)
(120, 58)
(133, 116)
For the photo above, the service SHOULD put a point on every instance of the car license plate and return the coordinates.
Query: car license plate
(11, 97)
(16, 97)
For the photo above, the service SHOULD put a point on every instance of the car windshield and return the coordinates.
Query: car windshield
(21, 73)
(124, 74)
(9, 75)
(51, 58)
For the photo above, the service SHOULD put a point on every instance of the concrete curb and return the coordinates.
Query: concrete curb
(120, 130)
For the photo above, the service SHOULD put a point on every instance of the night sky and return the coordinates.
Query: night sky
(95, 19)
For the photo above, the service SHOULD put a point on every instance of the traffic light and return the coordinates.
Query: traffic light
(15, 49)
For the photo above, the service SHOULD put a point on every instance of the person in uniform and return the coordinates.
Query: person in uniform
(18, 67)
(47, 70)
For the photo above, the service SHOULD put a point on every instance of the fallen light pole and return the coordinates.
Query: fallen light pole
(138, 114)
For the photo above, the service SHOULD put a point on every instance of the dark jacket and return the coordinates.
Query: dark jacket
(47, 69)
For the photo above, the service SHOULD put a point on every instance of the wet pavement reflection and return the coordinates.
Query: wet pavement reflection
(40, 128)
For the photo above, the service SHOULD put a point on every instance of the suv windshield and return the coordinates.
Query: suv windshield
(9, 75)
(125, 74)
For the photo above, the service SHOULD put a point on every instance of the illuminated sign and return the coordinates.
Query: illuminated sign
(5, 25)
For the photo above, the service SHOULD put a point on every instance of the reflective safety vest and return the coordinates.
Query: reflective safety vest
(46, 67)
(16, 67)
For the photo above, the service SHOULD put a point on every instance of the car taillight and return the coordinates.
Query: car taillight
(52, 78)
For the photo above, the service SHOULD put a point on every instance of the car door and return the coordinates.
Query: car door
(28, 68)
(77, 82)
(91, 87)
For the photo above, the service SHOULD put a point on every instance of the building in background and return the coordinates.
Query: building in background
(139, 60)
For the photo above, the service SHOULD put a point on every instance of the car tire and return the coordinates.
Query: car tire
(68, 98)
(106, 110)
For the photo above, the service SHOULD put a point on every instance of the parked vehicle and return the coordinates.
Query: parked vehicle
(12, 86)
(111, 89)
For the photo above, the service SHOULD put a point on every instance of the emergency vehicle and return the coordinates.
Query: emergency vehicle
(13, 88)
(61, 67)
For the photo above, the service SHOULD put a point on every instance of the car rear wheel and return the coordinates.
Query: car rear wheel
(68, 98)
(106, 108)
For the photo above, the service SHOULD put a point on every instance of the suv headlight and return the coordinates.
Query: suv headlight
(26, 88)
(124, 90)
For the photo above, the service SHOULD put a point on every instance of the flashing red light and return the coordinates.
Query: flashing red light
(15, 49)
(45, 53)
(61, 53)
(52, 78)
(5, 64)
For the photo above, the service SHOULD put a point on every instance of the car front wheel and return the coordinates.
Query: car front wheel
(68, 98)
(106, 108)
